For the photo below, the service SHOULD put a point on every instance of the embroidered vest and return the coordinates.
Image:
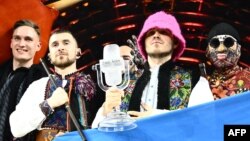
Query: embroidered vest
(180, 88)
(80, 89)
(179, 91)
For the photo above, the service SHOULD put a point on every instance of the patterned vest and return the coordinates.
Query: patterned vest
(179, 89)
(80, 89)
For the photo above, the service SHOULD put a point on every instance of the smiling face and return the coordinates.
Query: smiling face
(223, 51)
(63, 49)
(25, 43)
(159, 43)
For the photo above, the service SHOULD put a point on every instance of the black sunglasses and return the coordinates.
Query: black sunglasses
(227, 41)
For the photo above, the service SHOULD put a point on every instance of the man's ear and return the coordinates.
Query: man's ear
(78, 53)
(49, 56)
(39, 46)
(239, 46)
(176, 43)
(239, 49)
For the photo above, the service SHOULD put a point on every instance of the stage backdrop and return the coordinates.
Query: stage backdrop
(13, 10)
(199, 123)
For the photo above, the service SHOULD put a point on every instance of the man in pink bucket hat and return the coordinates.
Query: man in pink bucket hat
(162, 21)
(164, 85)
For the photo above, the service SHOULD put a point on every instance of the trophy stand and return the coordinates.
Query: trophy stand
(116, 120)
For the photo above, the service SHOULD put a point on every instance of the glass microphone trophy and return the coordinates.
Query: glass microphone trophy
(116, 72)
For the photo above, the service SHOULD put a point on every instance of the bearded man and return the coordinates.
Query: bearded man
(223, 51)
(42, 106)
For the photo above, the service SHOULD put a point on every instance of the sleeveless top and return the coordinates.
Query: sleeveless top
(176, 88)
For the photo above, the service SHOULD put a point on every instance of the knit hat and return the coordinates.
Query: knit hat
(223, 29)
(162, 20)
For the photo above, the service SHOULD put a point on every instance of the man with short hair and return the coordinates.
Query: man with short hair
(17, 73)
(164, 85)
(42, 106)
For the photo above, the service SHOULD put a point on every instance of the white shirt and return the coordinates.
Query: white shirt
(28, 115)
(200, 94)
(149, 95)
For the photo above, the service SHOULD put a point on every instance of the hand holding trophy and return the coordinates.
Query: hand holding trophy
(116, 72)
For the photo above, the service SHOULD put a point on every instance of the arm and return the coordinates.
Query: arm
(98, 118)
(112, 100)
(201, 93)
(28, 115)
(33, 109)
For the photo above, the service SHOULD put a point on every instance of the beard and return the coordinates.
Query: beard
(62, 63)
(230, 61)
(159, 55)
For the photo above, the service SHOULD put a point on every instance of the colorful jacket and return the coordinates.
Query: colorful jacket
(228, 83)
(174, 87)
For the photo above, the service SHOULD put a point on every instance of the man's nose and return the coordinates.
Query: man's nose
(221, 47)
(22, 42)
(156, 34)
(61, 47)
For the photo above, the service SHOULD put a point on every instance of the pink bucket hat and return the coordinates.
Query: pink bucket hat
(162, 20)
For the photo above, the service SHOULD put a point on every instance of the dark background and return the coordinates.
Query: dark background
(96, 23)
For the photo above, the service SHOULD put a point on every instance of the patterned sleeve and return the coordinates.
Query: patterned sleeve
(46, 109)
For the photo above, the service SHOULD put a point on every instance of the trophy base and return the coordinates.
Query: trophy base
(117, 121)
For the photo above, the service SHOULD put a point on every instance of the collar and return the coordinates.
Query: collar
(165, 65)
(68, 76)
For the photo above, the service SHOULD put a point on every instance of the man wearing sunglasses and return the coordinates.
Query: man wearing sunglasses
(223, 51)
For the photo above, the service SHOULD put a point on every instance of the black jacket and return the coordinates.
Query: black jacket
(12, 86)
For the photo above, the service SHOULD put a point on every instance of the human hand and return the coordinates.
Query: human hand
(113, 99)
(58, 98)
(148, 111)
